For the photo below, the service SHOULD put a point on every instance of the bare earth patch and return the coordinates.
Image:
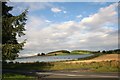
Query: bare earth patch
(107, 57)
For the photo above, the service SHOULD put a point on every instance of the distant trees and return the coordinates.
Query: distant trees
(12, 27)
(60, 51)
(98, 51)
(103, 51)
(42, 54)
(65, 51)
(112, 51)
(38, 54)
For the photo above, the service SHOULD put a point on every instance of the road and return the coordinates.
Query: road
(69, 75)
(61, 75)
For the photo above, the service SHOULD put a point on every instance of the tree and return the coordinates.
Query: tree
(98, 51)
(12, 27)
(103, 51)
(42, 54)
(38, 54)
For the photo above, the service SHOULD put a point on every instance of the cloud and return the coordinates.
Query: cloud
(92, 32)
(48, 21)
(104, 15)
(79, 16)
(56, 10)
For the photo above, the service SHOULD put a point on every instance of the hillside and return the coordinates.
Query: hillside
(65, 52)
(78, 52)
(106, 57)
(75, 52)
(81, 52)
(59, 52)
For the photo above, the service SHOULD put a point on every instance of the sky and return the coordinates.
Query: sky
(70, 26)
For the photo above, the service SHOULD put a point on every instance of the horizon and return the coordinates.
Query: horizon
(35, 54)
(68, 25)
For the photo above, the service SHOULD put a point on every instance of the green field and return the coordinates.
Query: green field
(81, 52)
(65, 52)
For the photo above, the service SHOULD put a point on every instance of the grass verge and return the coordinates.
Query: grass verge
(13, 76)
(103, 66)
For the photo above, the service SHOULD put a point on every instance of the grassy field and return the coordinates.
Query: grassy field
(81, 52)
(97, 58)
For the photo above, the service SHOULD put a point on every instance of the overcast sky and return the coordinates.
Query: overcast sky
(69, 26)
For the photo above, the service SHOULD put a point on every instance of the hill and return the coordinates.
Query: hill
(78, 52)
(82, 52)
(59, 52)
(65, 52)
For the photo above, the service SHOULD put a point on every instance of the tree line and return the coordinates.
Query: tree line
(111, 51)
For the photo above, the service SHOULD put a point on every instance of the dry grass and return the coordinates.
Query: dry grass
(107, 57)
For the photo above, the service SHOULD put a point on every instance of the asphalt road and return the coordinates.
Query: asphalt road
(76, 75)
(68, 75)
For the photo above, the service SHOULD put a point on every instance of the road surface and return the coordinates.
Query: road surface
(68, 75)
(77, 75)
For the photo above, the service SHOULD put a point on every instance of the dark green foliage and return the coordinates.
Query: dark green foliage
(104, 51)
(63, 51)
(38, 54)
(112, 51)
(42, 54)
(28, 66)
(12, 26)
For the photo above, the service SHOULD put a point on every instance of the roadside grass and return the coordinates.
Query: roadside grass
(27, 66)
(104, 66)
(13, 76)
